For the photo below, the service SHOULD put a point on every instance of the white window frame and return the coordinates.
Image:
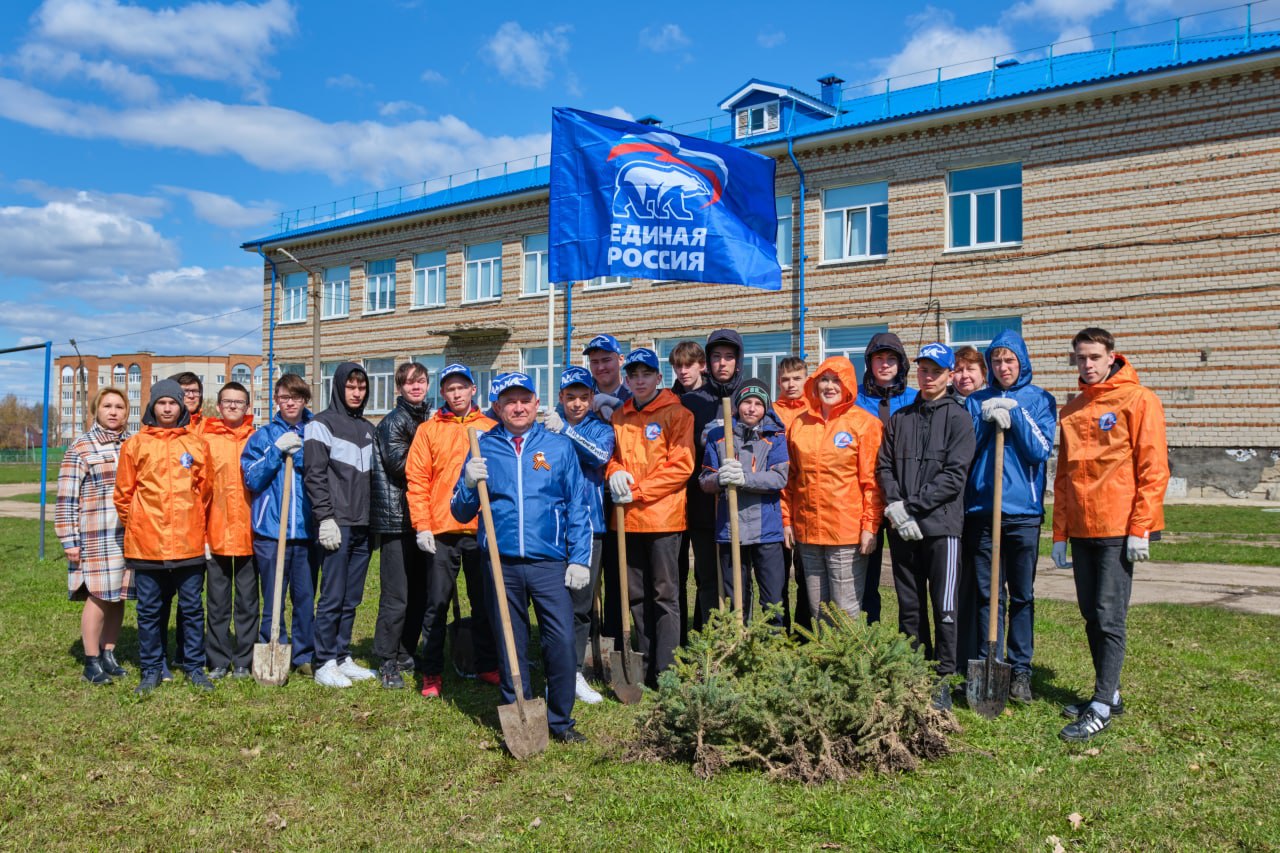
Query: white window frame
(783, 206)
(541, 259)
(769, 114)
(379, 289)
(335, 293)
(977, 343)
(429, 281)
(533, 362)
(997, 191)
(845, 213)
(382, 385)
(293, 298)
(754, 358)
(327, 370)
(606, 282)
(487, 269)
(220, 379)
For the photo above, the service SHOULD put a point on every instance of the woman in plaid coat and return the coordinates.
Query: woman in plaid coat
(86, 523)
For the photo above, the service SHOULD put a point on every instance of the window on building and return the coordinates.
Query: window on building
(243, 374)
(382, 385)
(336, 294)
(533, 361)
(428, 279)
(759, 119)
(293, 302)
(220, 379)
(483, 378)
(761, 354)
(984, 206)
(118, 376)
(484, 272)
(297, 368)
(979, 332)
(850, 342)
(536, 265)
(855, 222)
(434, 364)
(135, 383)
(327, 369)
(380, 286)
(604, 282)
(784, 231)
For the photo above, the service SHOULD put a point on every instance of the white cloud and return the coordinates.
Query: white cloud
(616, 112)
(936, 41)
(432, 76)
(224, 211)
(770, 38)
(274, 138)
(525, 58)
(204, 40)
(1075, 38)
(663, 38)
(138, 206)
(192, 289)
(57, 64)
(71, 240)
(347, 81)
(1074, 11)
(391, 109)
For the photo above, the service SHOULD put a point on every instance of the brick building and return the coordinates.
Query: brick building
(134, 373)
(1134, 188)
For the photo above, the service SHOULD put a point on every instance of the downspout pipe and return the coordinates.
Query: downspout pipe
(271, 334)
(791, 152)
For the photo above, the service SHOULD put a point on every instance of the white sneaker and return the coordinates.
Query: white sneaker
(584, 692)
(355, 671)
(330, 675)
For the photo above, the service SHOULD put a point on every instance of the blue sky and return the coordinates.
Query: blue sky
(142, 142)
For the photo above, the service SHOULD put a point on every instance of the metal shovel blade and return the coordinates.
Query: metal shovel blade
(271, 663)
(462, 647)
(987, 689)
(625, 677)
(599, 654)
(524, 727)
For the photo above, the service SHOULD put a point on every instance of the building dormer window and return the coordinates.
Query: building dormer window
(752, 121)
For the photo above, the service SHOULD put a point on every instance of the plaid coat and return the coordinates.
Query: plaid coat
(85, 516)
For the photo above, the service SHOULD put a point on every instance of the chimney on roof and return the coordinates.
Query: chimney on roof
(650, 120)
(830, 88)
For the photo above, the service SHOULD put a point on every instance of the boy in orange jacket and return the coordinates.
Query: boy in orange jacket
(162, 496)
(652, 462)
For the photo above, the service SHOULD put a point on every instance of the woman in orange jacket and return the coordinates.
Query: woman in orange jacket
(230, 538)
(832, 506)
(162, 496)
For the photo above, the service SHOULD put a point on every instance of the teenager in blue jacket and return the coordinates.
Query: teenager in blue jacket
(542, 520)
(1028, 415)
(262, 462)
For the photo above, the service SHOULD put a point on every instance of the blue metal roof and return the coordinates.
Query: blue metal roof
(1000, 83)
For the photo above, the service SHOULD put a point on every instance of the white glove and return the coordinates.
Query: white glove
(330, 535)
(897, 513)
(553, 421)
(997, 409)
(1137, 549)
(577, 576)
(288, 442)
(208, 552)
(474, 471)
(910, 531)
(1059, 555)
(427, 541)
(732, 473)
(620, 486)
(604, 404)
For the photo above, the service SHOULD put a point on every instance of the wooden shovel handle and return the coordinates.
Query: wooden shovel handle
(624, 589)
(735, 536)
(993, 614)
(286, 517)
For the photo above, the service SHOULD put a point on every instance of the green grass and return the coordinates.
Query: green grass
(1191, 766)
(34, 497)
(1241, 535)
(26, 472)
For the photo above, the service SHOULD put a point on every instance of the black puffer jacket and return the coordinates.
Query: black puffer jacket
(388, 506)
(924, 461)
(705, 404)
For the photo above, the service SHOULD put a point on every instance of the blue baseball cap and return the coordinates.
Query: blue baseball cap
(575, 376)
(644, 356)
(455, 369)
(940, 354)
(493, 385)
(507, 381)
(608, 343)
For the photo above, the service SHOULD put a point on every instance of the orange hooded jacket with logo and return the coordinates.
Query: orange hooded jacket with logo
(163, 492)
(1113, 461)
(230, 527)
(433, 466)
(655, 445)
(788, 410)
(832, 494)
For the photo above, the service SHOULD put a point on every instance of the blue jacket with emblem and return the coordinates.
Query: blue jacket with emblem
(593, 439)
(263, 467)
(540, 500)
(1028, 442)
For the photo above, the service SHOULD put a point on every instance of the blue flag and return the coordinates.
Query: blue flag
(632, 200)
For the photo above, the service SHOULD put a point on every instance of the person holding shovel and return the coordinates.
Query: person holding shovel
(542, 521)
(1113, 469)
(1026, 413)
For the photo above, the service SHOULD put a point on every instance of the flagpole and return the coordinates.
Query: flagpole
(551, 344)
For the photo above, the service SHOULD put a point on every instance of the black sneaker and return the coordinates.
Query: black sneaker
(570, 735)
(390, 675)
(93, 671)
(197, 678)
(1020, 688)
(407, 664)
(241, 672)
(110, 665)
(1073, 712)
(942, 696)
(218, 672)
(1089, 725)
(150, 681)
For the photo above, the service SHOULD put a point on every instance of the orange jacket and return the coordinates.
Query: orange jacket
(230, 528)
(433, 466)
(832, 494)
(655, 445)
(788, 410)
(1113, 462)
(163, 492)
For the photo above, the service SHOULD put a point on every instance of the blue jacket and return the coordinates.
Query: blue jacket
(762, 450)
(1028, 444)
(541, 509)
(870, 395)
(263, 467)
(593, 439)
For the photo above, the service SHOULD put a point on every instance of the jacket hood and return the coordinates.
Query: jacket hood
(444, 413)
(665, 397)
(217, 426)
(733, 339)
(165, 388)
(1122, 373)
(880, 342)
(843, 369)
(1013, 342)
(279, 420)
(340, 376)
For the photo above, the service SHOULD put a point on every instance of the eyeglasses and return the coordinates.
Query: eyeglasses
(233, 404)
(193, 393)
(281, 398)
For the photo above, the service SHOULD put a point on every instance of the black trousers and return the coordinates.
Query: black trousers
(706, 566)
(402, 599)
(1104, 583)
(583, 599)
(871, 592)
(763, 561)
(224, 573)
(453, 549)
(925, 572)
(653, 569)
(793, 567)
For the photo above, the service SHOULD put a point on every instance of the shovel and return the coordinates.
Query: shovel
(460, 644)
(987, 690)
(735, 550)
(601, 647)
(524, 721)
(624, 665)
(271, 659)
